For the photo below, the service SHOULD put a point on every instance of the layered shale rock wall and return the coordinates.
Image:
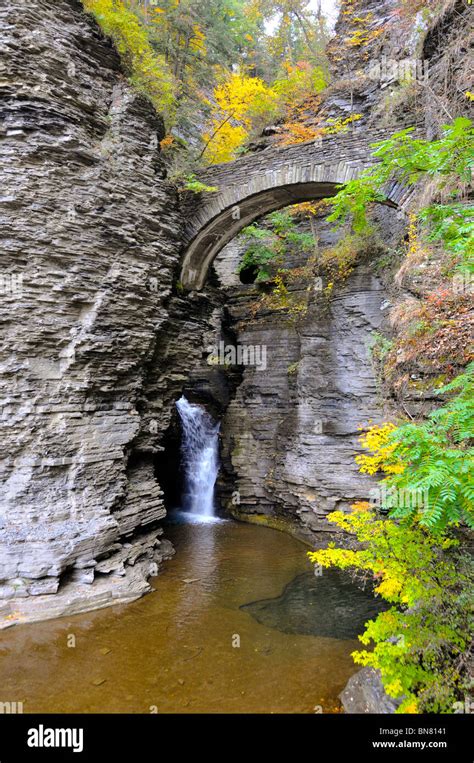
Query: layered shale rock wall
(291, 430)
(91, 236)
(96, 345)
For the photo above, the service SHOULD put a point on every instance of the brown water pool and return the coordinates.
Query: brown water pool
(237, 623)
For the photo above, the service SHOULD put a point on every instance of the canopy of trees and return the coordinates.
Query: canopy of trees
(219, 69)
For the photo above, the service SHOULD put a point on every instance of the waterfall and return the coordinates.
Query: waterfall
(199, 450)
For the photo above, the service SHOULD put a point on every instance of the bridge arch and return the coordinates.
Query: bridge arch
(251, 187)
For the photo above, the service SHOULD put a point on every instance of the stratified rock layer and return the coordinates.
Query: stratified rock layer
(90, 239)
(291, 431)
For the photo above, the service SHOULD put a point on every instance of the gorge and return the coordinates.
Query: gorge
(119, 289)
(94, 230)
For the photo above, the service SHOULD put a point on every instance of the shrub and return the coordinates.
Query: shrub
(421, 642)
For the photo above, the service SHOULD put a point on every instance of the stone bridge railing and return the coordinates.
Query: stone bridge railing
(259, 183)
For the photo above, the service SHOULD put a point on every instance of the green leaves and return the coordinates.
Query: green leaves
(407, 159)
(439, 460)
(193, 184)
(453, 224)
(258, 256)
(149, 71)
(353, 200)
(269, 244)
(419, 643)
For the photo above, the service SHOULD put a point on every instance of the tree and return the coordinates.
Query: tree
(299, 33)
(149, 72)
(421, 642)
(236, 101)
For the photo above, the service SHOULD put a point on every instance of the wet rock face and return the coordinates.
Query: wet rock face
(91, 236)
(291, 430)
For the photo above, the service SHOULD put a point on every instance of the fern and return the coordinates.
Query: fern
(439, 459)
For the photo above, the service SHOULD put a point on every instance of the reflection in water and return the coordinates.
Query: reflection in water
(173, 649)
(329, 606)
(201, 564)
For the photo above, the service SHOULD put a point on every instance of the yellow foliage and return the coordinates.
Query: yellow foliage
(389, 589)
(237, 100)
(222, 147)
(149, 71)
(359, 37)
(394, 688)
(340, 125)
(387, 551)
(307, 209)
(413, 246)
(375, 440)
(361, 34)
(301, 80)
(339, 261)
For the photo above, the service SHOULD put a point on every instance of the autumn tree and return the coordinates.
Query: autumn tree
(237, 101)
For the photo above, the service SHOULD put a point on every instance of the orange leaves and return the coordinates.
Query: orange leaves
(297, 132)
(361, 506)
(167, 142)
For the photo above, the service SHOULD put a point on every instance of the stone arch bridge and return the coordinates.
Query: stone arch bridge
(253, 186)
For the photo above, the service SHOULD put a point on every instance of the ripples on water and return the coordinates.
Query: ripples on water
(176, 648)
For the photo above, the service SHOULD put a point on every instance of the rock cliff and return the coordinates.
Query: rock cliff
(91, 236)
(98, 342)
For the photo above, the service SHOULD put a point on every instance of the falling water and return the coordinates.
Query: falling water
(200, 458)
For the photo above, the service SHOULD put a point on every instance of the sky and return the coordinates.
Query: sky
(328, 7)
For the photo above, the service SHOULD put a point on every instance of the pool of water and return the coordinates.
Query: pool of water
(237, 623)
